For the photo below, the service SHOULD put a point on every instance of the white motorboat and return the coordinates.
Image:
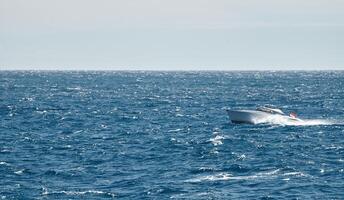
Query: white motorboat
(260, 115)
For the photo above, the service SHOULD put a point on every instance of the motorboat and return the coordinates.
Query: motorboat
(261, 115)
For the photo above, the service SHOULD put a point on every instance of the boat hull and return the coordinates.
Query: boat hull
(255, 117)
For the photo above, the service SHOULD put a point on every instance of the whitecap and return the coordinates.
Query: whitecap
(19, 172)
(242, 157)
(27, 99)
(77, 193)
(207, 169)
(294, 174)
(175, 130)
(214, 151)
(103, 126)
(41, 111)
(74, 88)
(260, 175)
(217, 140)
(216, 177)
(79, 131)
(4, 163)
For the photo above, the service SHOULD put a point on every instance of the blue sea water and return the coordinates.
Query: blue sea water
(160, 135)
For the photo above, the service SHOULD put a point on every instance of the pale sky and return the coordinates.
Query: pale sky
(172, 34)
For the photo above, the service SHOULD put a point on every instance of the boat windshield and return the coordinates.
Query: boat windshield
(270, 110)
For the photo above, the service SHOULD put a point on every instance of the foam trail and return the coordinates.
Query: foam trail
(313, 122)
(281, 120)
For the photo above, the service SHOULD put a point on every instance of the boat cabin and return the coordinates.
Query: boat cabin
(270, 110)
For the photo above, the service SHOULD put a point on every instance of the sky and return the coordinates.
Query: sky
(172, 34)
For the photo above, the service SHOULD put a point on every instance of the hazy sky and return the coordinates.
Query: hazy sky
(172, 34)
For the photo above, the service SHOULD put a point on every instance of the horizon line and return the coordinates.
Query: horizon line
(169, 70)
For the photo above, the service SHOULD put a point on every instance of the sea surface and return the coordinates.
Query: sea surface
(166, 135)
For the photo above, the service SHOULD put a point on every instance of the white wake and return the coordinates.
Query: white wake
(282, 120)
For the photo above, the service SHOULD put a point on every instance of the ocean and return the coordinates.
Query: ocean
(166, 135)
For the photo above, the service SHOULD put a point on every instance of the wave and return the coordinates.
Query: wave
(258, 176)
(78, 193)
(217, 140)
(4, 163)
(216, 177)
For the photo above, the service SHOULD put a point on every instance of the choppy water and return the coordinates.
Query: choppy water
(159, 135)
